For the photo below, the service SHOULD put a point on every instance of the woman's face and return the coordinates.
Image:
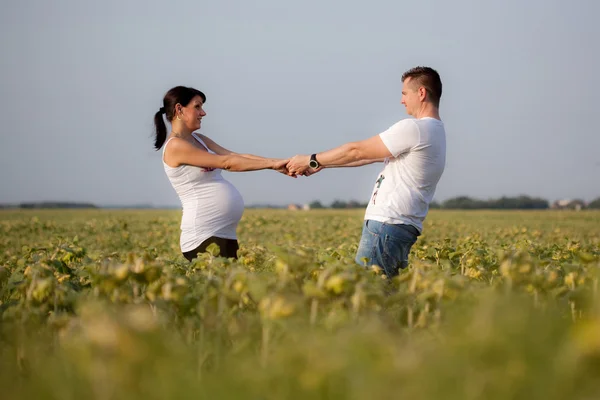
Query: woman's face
(192, 114)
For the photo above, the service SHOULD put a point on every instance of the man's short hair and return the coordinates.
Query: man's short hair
(429, 79)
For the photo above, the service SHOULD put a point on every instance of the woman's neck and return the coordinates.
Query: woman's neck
(178, 130)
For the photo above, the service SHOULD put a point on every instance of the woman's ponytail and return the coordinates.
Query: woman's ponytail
(161, 129)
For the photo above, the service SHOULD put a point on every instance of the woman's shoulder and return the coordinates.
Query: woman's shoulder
(177, 143)
(203, 137)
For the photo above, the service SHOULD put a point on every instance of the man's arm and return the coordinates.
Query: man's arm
(351, 154)
(356, 163)
(311, 171)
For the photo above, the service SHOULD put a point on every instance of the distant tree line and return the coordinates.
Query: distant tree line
(50, 204)
(456, 203)
(468, 203)
(338, 204)
(503, 203)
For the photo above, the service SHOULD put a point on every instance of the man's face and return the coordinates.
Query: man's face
(410, 96)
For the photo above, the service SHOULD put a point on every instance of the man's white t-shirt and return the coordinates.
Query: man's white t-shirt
(406, 185)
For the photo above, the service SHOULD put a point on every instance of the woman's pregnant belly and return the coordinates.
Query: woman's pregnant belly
(215, 209)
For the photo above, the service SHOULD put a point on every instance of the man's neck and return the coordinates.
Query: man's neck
(428, 110)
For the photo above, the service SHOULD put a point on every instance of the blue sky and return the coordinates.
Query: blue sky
(81, 80)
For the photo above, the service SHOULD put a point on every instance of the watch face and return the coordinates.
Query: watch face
(313, 164)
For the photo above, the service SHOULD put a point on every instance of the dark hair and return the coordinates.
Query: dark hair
(429, 79)
(178, 95)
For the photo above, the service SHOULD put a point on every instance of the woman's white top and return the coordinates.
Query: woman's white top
(211, 205)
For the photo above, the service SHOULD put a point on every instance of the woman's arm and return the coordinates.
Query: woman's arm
(181, 152)
(220, 150)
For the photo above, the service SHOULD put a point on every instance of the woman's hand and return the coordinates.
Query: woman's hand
(281, 166)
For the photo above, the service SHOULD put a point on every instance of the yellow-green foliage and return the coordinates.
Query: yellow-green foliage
(102, 305)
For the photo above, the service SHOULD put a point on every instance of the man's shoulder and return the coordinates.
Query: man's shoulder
(430, 125)
(429, 122)
(406, 124)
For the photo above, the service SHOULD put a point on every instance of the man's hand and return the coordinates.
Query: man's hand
(311, 171)
(298, 164)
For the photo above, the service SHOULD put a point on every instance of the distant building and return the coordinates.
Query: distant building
(296, 207)
(568, 204)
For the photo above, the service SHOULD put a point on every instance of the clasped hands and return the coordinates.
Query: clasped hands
(296, 166)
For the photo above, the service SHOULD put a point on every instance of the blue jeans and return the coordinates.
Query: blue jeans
(386, 245)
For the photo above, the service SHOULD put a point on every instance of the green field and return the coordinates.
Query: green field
(98, 304)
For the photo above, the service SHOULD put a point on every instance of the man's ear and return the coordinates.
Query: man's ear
(422, 93)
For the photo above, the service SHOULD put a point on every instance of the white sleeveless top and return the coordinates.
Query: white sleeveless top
(211, 205)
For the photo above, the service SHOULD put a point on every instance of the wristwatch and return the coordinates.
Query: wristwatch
(313, 163)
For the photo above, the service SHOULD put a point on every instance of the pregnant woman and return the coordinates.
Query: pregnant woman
(212, 207)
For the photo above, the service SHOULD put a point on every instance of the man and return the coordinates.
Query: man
(414, 153)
